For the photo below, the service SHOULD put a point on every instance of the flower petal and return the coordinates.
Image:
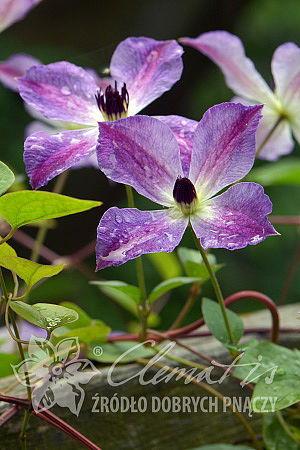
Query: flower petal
(286, 71)
(148, 67)
(235, 218)
(183, 130)
(224, 147)
(46, 156)
(125, 234)
(227, 51)
(140, 151)
(280, 142)
(14, 68)
(12, 11)
(61, 91)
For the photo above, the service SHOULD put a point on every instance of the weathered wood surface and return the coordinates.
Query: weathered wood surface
(149, 430)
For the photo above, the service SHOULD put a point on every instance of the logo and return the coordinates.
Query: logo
(55, 374)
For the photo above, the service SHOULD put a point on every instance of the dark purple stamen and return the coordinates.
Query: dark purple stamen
(184, 191)
(113, 104)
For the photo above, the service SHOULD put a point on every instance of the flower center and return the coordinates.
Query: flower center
(112, 103)
(185, 195)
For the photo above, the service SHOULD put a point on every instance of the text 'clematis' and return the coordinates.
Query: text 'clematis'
(141, 70)
(281, 113)
(143, 152)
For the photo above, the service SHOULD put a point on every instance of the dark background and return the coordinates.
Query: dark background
(86, 32)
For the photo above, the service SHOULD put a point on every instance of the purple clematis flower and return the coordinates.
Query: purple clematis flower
(227, 51)
(15, 67)
(141, 70)
(142, 151)
(12, 11)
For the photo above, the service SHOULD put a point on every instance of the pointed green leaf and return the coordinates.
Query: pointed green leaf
(132, 291)
(266, 357)
(167, 264)
(23, 207)
(6, 360)
(168, 285)
(44, 315)
(214, 320)
(87, 334)
(6, 250)
(275, 437)
(271, 394)
(29, 271)
(6, 178)
(283, 172)
(193, 263)
(83, 319)
(112, 351)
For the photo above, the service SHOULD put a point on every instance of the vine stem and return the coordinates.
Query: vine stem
(208, 389)
(43, 229)
(286, 427)
(290, 275)
(143, 306)
(278, 121)
(194, 293)
(199, 354)
(216, 287)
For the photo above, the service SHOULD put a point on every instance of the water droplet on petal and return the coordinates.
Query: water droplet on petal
(65, 90)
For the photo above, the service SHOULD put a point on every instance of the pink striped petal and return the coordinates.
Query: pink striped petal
(148, 67)
(280, 143)
(183, 130)
(224, 147)
(125, 234)
(286, 72)
(12, 11)
(46, 156)
(235, 219)
(14, 68)
(61, 91)
(227, 51)
(140, 151)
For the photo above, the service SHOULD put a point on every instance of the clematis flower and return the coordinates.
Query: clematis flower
(15, 67)
(12, 11)
(141, 70)
(281, 112)
(142, 151)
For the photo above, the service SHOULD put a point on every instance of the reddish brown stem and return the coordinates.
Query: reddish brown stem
(66, 428)
(285, 220)
(9, 414)
(52, 419)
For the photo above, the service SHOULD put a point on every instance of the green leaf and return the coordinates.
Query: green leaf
(276, 370)
(6, 359)
(283, 391)
(6, 250)
(23, 207)
(265, 357)
(83, 319)
(222, 447)
(6, 178)
(275, 436)
(124, 300)
(167, 264)
(214, 320)
(112, 351)
(193, 263)
(29, 271)
(88, 334)
(168, 285)
(283, 172)
(132, 291)
(44, 315)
